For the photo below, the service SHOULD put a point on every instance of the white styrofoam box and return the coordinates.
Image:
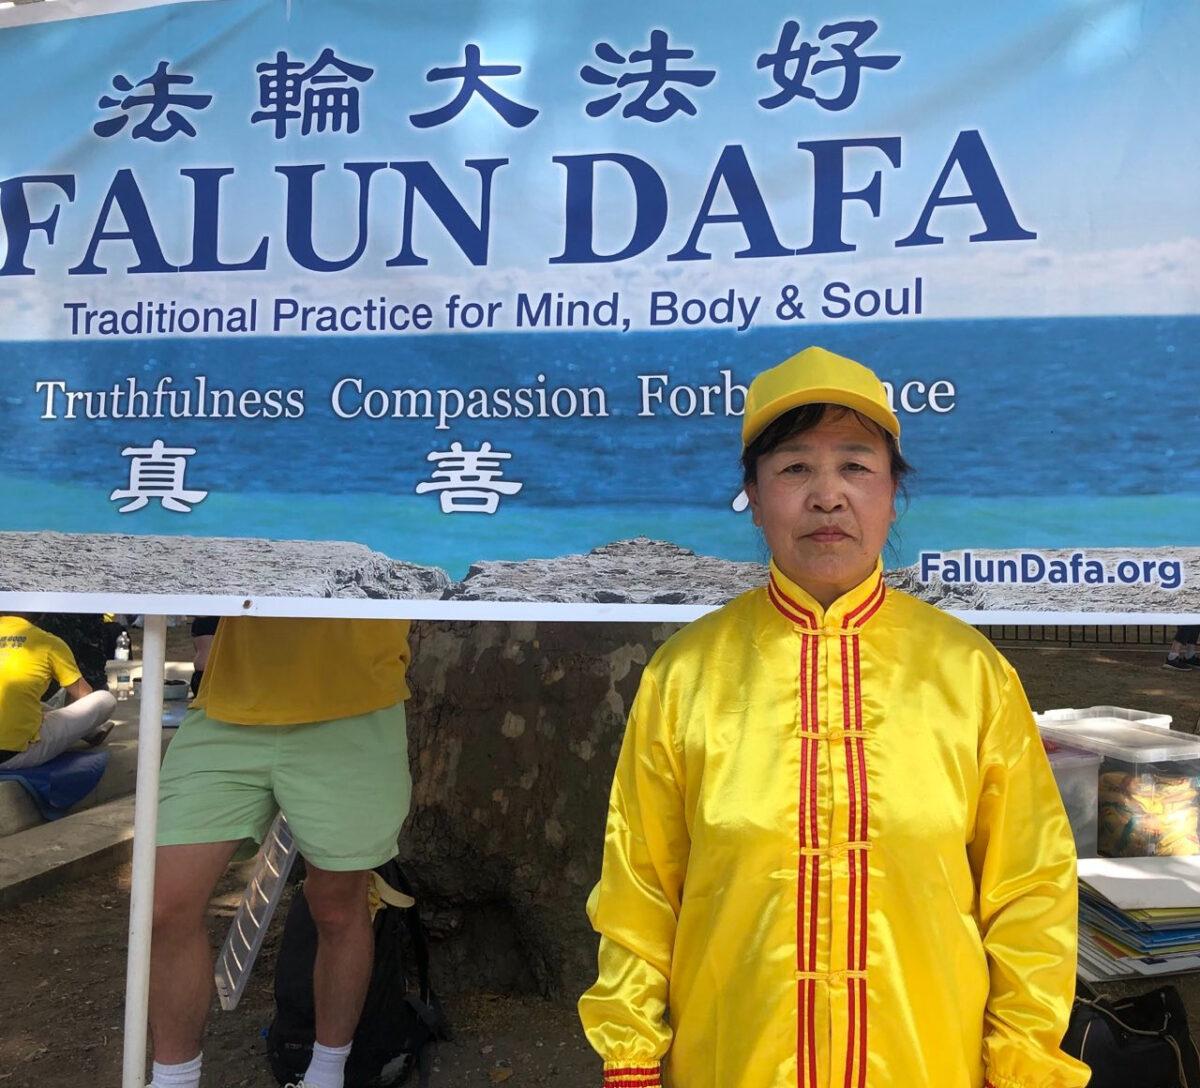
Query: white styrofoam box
(1066, 715)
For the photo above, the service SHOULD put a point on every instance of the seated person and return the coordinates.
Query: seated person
(112, 627)
(29, 733)
(1182, 656)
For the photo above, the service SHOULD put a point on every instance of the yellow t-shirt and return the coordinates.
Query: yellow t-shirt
(282, 671)
(29, 659)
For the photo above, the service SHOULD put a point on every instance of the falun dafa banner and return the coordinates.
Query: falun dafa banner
(385, 309)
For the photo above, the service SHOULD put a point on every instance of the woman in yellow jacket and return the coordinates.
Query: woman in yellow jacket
(835, 854)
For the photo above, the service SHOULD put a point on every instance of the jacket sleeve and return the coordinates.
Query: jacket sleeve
(1023, 858)
(636, 904)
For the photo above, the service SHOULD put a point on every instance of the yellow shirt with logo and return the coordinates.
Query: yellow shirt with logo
(836, 858)
(282, 671)
(29, 659)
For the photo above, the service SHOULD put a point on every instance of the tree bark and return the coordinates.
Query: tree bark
(514, 731)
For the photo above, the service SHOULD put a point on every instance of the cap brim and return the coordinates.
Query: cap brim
(772, 410)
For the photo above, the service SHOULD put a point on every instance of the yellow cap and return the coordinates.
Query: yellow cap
(815, 376)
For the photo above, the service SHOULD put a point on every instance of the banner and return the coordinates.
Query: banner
(376, 309)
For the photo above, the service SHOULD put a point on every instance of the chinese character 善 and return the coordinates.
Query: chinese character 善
(469, 480)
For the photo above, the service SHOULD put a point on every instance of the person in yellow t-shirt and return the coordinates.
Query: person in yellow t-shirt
(30, 734)
(303, 716)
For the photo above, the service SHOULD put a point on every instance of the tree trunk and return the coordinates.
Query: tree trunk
(514, 731)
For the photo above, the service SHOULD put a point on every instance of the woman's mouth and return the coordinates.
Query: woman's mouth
(828, 535)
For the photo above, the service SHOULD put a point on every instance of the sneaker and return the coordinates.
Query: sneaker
(98, 736)
(1178, 664)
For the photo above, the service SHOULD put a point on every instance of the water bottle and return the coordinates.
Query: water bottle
(124, 675)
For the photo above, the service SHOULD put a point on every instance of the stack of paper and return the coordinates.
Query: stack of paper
(1138, 916)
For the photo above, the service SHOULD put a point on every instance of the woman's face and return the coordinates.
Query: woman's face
(825, 500)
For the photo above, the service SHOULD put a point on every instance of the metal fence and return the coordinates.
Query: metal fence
(1150, 637)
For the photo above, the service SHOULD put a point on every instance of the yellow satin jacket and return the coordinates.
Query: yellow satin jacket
(835, 858)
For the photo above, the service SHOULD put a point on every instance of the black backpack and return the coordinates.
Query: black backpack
(401, 1016)
(1133, 1042)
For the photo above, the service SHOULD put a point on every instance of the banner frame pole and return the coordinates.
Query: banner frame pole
(145, 826)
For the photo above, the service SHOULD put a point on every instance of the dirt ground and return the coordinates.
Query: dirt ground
(62, 974)
(62, 957)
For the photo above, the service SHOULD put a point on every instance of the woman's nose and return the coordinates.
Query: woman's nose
(826, 494)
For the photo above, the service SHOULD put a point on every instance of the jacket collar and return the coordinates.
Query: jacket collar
(850, 612)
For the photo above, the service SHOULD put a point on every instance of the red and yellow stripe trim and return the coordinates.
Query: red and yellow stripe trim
(808, 885)
(790, 608)
(632, 1076)
(858, 822)
(805, 618)
(857, 617)
(856, 856)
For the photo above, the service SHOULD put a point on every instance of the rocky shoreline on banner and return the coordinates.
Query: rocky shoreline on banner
(640, 571)
(214, 566)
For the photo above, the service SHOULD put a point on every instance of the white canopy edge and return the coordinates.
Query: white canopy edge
(48, 11)
(537, 611)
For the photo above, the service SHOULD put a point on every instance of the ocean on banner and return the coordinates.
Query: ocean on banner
(1064, 432)
(412, 529)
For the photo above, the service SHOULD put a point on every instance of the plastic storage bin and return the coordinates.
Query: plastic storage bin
(1077, 773)
(1149, 789)
(1124, 713)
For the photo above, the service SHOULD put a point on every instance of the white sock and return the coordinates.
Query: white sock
(183, 1075)
(328, 1066)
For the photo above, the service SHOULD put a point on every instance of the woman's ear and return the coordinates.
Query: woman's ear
(752, 495)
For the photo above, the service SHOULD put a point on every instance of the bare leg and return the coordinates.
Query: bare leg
(345, 950)
(181, 967)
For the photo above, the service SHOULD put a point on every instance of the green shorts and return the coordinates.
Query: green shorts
(344, 785)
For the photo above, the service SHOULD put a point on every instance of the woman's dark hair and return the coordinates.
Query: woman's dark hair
(804, 418)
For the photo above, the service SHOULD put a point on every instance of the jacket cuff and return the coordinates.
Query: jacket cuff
(629, 1075)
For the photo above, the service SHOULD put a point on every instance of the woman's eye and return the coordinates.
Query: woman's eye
(855, 466)
(795, 466)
